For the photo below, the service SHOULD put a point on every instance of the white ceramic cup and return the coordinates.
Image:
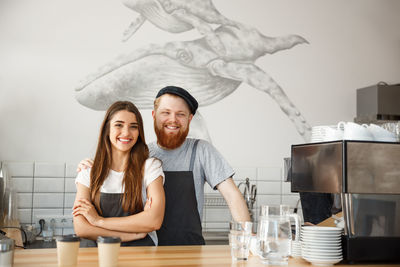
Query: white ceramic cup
(381, 134)
(331, 134)
(108, 250)
(354, 131)
(7, 246)
(67, 250)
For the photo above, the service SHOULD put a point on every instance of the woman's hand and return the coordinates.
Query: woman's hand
(85, 208)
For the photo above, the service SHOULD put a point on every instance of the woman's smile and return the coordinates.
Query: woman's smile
(124, 140)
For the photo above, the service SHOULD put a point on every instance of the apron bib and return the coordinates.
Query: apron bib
(181, 224)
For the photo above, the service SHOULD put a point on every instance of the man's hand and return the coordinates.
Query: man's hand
(84, 164)
(85, 208)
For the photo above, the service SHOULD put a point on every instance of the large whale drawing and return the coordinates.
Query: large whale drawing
(194, 65)
(178, 16)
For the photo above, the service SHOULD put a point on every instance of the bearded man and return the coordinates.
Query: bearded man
(187, 164)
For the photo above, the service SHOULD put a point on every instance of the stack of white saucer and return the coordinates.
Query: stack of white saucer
(321, 245)
(296, 249)
(319, 133)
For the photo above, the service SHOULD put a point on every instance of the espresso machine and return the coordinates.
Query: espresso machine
(365, 177)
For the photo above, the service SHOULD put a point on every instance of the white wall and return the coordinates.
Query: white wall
(47, 46)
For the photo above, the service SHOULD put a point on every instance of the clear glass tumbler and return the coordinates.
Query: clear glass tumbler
(239, 240)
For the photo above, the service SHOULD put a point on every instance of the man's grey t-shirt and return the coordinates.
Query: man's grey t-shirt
(209, 165)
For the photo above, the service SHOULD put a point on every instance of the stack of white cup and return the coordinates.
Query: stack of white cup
(352, 131)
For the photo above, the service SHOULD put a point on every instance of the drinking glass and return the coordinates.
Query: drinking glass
(48, 235)
(239, 240)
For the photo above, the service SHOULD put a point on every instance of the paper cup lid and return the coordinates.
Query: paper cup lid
(108, 239)
(69, 238)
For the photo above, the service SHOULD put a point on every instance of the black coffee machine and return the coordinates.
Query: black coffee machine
(365, 178)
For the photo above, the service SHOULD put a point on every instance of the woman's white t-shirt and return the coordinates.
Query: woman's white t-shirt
(113, 182)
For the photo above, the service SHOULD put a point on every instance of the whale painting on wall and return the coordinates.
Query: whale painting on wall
(210, 67)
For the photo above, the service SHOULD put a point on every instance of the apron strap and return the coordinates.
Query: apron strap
(193, 156)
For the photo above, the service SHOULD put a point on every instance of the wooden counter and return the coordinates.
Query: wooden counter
(151, 256)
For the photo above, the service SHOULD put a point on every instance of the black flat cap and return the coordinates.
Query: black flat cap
(190, 100)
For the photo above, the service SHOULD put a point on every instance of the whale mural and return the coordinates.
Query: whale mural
(197, 67)
(178, 16)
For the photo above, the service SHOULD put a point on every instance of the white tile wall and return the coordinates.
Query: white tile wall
(268, 200)
(25, 216)
(19, 169)
(290, 200)
(286, 188)
(67, 211)
(24, 200)
(70, 169)
(48, 184)
(69, 199)
(70, 186)
(46, 169)
(269, 174)
(41, 188)
(48, 200)
(23, 184)
(268, 188)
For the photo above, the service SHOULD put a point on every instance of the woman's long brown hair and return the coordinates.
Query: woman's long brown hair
(132, 183)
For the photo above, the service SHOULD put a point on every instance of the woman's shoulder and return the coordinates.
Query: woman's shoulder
(83, 177)
(152, 163)
(85, 172)
(152, 170)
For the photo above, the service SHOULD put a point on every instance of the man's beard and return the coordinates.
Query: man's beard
(170, 141)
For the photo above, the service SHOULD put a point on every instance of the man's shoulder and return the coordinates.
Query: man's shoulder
(203, 144)
(152, 147)
(152, 144)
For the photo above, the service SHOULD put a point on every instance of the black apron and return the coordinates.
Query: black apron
(181, 224)
(110, 205)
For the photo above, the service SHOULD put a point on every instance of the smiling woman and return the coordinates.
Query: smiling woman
(110, 199)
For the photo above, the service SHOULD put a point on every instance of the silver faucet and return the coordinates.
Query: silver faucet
(249, 194)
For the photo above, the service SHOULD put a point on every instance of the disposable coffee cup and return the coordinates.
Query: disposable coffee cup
(108, 250)
(67, 250)
(6, 252)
